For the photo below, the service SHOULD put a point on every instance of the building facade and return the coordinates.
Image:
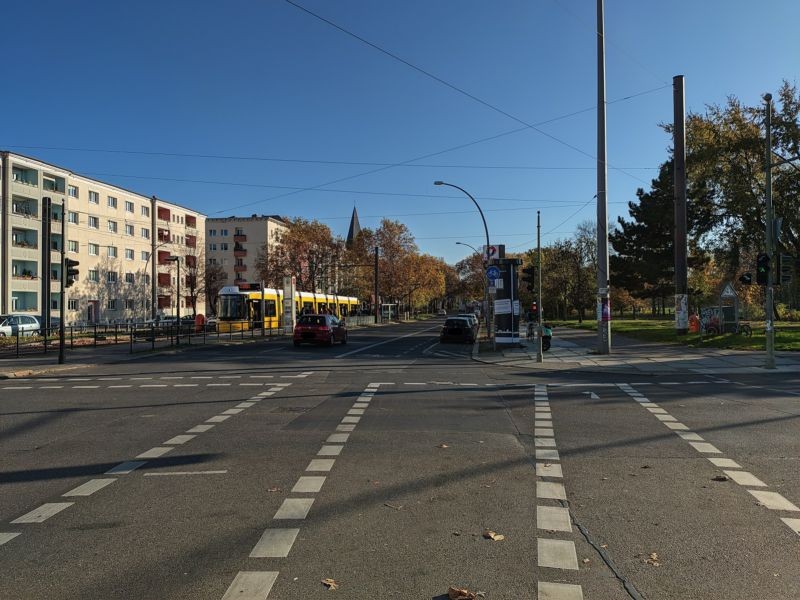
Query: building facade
(234, 243)
(122, 240)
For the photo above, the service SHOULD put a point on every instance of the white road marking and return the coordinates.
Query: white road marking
(275, 543)
(772, 500)
(52, 387)
(218, 419)
(794, 525)
(137, 378)
(550, 489)
(265, 394)
(553, 518)
(725, 462)
(44, 512)
(201, 377)
(251, 585)
(126, 467)
(245, 404)
(557, 554)
(320, 464)
(86, 379)
(155, 452)
(677, 426)
(180, 439)
(360, 405)
(294, 508)
(546, 454)
(543, 432)
(705, 447)
(7, 537)
(232, 411)
(385, 342)
(251, 384)
(119, 386)
(186, 384)
(351, 419)
(656, 411)
(649, 404)
(153, 385)
(171, 473)
(230, 376)
(89, 488)
(217, 384)
(172, 377)
(543, 424)
(345, 427)
(666, 418)
(338, 438)
(745, 478)
(559, 591)
(85, 387)
(690, 436)
(544, 442)
(548, 470)
(541, 403)
(330, 451)
(199, 429)
(356, 411)
(308, 484)
(262, 376)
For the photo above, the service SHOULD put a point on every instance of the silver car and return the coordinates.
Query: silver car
(18, 324)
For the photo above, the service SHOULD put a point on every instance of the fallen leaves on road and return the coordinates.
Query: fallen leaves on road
(604, 545)
(586, 561)
(330, 584)
(274, 489)
(493, 535)
(653, 559)
(394, 506)
(720, 478)
(460, 594)
(442, 446)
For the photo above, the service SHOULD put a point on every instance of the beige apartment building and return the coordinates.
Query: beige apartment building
(122, 240)
(234, 243)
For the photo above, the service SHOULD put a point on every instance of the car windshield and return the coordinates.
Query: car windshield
(311, 320)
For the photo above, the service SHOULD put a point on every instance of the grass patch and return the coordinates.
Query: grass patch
(787, 335)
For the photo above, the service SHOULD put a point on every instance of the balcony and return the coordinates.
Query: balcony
(25, 208)
(191, 241)
(240, 237)
(239, 268)
(164, 301)
(191, 222)
(164, 279)
(239, 253)
(163, 235)
(25, 176)
(163, 214)
(191, 261)
(163, 258)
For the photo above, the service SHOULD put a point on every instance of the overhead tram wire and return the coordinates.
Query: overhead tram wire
(553, 230)
(456, 88)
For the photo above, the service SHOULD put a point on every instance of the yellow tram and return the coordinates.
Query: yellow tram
(239, 307)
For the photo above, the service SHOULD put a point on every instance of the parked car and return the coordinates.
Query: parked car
(458, 329)
(15, 324)
(319, 329)
(441, 312)
(471, 316)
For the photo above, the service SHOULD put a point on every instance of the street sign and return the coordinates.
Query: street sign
(502, 307)
(493, 273)
(728, 291)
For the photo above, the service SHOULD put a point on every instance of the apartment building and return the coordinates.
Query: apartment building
(122, 240)
(234, 243)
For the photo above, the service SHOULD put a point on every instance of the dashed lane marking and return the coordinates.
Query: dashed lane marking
(294, 508)
(154, 452)
(330, 451)
(725, 462)
(174, 473)
(218, 419)
(559, 591)
(89, 488)
(7, 537)
(275, 543)
(744, 478)
(199, 429)
(551, 490)
(308, 484)
(126, 467)
(772, 500)
(180, 439)
(553, 518)
(557, 554)
(251, 585)
(320, 464)
(44, 512)
(793, 524)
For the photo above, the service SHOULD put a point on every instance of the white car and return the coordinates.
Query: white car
(473, 318)
(13, 323)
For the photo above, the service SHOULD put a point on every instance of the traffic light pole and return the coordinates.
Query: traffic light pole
(62, 298)
(769, 329)
(539, 305)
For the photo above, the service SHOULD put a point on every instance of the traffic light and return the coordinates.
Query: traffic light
(762, 269)
(534, 312)
(529, 277)
(72, 271)
(746, 278)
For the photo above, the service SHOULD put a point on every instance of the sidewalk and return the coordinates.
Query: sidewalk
(574, 349)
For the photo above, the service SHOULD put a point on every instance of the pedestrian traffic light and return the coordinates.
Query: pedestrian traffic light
(72, 271)
(529, 277)
(762, 269)
(746, 278)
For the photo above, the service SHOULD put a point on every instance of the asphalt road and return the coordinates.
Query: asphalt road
(258, 471)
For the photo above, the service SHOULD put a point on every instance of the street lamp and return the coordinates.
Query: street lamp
(177, 261)
(486, 230)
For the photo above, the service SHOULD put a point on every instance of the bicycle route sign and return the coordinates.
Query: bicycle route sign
(492, 273)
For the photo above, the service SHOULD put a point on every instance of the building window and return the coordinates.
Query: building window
(112, 226)
(94, 275)
(72, 217)
(146, 278)
(212, 246)
(239, 262)
(72, 304)
(223, 232)
(239, 231)
(112, 202)
(212, 261)
(94, 249)
(94, 222)
(129, 230)
(72, 245)
(145, 255)
(128, 206)
(111, 277)
(129, 278)
(212, 233)
(145, 211)
(72, 191)
(223, 246)
(111, 305)
(145, 233)
(128, 304)
(128, 253)
(94, 197)
(112, 252)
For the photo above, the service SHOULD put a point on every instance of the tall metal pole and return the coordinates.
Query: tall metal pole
(377, 305)
(770, 300)
(44, 274)
(153, 267)
(679, 167)
(178, 305)
(539, 352)
(62, 299)
(603, 308)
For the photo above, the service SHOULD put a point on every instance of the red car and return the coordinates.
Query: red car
(319, 329)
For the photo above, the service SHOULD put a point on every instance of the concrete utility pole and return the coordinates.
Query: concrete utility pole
(44, 273)
(63, 299)
(377, 304)
(603, 308)
(679, 165)
(539, 306)
(770, 218)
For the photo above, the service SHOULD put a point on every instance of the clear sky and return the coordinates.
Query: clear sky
(257, 80)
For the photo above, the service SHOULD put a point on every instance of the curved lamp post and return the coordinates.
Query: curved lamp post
(486, 230)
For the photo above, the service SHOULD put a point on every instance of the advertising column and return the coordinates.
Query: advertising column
(289, 307)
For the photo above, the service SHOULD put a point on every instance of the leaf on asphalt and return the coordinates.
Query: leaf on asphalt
(493, 535)
(394, 506)
(720, 478)
(653, 559)
(586, 561)
(604, 545)
(454, 593)
(442, 446)
(330, 584)
(274, 489)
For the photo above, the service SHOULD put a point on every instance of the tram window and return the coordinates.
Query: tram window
(343, 310)
(308, 307)
(269, 307)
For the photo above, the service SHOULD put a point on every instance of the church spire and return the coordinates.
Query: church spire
(355, 229)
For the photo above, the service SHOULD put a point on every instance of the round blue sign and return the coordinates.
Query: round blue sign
(493, 272)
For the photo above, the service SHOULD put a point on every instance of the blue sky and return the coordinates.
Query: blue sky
(266, 80)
